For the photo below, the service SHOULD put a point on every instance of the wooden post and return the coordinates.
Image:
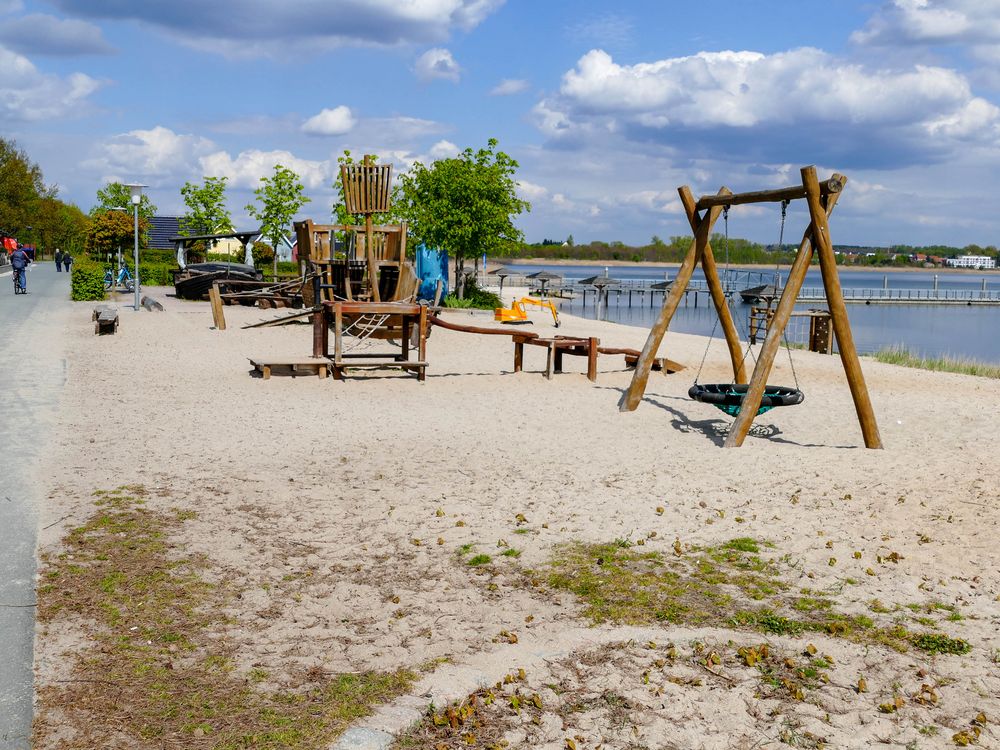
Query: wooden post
(321, 342)
(518, 355)
(715, 289)
(772, 339)
(631, 398)
(838, 311)
(218, 316)
(422, 346)
(592, 350)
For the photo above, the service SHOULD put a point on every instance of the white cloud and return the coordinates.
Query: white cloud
(509, 86)
(239, 28)
(40, 34)
(26, 94)
(932, 22)
(530, 191)
(336, 121)
(155, 155)
(246, 169)
(436, 63)
(444, 150)
(748, 103)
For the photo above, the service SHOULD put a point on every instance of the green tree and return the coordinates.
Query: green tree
(464, 204)
(116, 195)
(111, 230)
(21, 187)
(280, 197)
(206, 204)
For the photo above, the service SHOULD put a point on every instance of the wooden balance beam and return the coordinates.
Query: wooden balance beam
(321, 367)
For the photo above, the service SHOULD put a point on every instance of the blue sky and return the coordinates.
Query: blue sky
(607, 111)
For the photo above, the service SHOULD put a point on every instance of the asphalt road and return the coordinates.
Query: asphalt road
(32, 374)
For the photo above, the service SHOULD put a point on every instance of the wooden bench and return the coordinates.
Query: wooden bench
(317, 365)
(556, 347)
(105, 320)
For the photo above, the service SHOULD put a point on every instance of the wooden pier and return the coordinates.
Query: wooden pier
(648, 293)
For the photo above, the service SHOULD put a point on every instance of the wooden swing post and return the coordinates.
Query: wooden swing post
(775, 332)
(838, 312)
(715, 285)
(644, 365)
(821, 198)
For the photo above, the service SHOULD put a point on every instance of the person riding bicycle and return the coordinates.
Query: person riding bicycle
(20, 260)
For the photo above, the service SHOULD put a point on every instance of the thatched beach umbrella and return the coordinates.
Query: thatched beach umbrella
(501, 273)
(544, 277)
(601, 283)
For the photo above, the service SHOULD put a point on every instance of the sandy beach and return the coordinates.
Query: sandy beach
(345, 516)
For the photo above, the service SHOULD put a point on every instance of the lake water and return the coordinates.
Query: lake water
(927, 330)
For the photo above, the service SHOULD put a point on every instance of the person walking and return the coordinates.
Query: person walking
(67, 260)
(59, 260)
(20, 260)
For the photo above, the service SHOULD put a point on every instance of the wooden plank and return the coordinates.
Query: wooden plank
(838, 312)
(775, 332)
(218, 317)
(716, 292)
(631, 398)
(796, 192)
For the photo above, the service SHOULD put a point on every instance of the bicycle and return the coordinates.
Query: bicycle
(19, 288)
(123, 279)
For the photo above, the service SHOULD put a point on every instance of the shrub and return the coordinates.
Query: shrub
(263, 254)
(475, 298)
(86, 280)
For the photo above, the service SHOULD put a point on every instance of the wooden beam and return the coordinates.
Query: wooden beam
(218, 317)
(838, 312)
(775, 332)
(631, 398)
(716, 291)
(796, 192)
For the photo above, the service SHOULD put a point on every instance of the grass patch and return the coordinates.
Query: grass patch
(159, 671)
(729, 583)
(480, 559)
(897, 355)
(938, 643)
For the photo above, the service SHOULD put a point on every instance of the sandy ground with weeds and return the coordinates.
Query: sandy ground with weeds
(343, 511)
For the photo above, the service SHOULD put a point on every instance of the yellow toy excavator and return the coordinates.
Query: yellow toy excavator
(516, 314)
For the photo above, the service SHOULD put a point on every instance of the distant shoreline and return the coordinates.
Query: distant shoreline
(782, 267)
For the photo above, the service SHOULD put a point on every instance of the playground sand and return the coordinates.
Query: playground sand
(344, 511)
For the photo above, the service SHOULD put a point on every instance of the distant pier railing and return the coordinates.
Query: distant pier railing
(640, 292)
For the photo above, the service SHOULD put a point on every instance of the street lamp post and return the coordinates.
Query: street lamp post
(135, 190)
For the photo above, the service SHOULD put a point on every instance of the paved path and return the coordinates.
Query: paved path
(32, 373)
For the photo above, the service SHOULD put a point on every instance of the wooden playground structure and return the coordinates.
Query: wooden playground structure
(821, 198)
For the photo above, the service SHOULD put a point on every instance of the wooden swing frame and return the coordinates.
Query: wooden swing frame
(821, 198)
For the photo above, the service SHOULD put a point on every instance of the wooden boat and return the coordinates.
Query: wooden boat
(761, 293)
(194, 281)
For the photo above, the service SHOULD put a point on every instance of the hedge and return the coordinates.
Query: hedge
(87, 280)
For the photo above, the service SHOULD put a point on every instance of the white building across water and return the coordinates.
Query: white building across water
(971, 261)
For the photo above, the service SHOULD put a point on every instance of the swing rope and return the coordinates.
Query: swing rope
(729, 397)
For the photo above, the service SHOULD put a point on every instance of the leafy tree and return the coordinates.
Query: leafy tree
(569, 241)
(206, 206)
(116, 195)
(21, 187)
(31, 210)
(110, 230)
(464, 204)
(280, 197)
